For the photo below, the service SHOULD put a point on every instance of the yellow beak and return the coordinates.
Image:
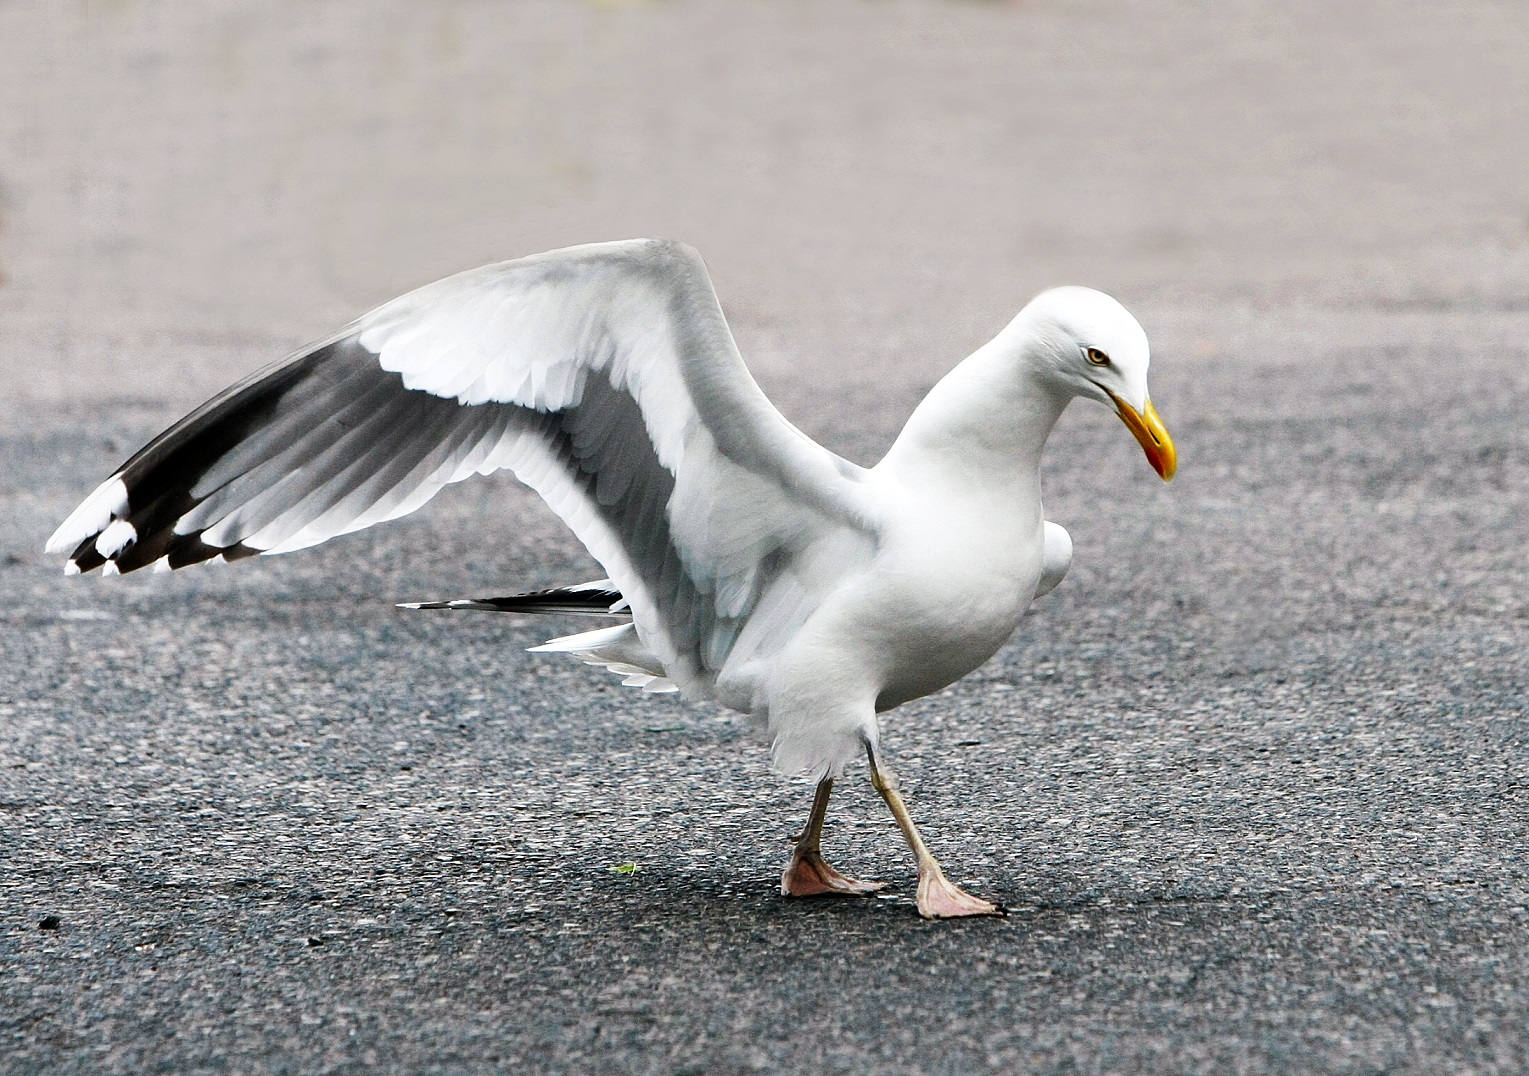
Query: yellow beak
(1152, 435)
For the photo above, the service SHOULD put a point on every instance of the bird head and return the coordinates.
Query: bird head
(1092, 347)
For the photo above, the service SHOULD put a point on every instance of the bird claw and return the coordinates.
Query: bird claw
(940, 898)
(809, 875)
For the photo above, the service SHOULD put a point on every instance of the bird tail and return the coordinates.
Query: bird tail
(617, 649)
(599, 598)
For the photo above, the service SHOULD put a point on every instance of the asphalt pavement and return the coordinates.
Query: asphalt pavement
(1252, 781)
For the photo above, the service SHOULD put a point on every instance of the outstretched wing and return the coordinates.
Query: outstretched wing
(604, 376)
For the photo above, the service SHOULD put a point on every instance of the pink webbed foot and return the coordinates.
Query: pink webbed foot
(809, 875)
(940, 898)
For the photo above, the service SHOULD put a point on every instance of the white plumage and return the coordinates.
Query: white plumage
(758, 569)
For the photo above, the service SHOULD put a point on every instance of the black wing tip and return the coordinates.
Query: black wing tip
(165, 552)
(152, 492)
(575, 601)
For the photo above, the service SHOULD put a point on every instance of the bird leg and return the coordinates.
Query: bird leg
(808, 874)
(938, 897)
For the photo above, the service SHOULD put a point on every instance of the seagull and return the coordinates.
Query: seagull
(746, 564)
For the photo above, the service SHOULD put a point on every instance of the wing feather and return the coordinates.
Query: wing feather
(605, 377)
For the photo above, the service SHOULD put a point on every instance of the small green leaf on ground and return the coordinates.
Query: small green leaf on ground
(624, 868)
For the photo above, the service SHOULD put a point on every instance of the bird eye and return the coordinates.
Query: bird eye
(1097, 357)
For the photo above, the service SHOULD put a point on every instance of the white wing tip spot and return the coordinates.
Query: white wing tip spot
(93, 516)
(118, 535)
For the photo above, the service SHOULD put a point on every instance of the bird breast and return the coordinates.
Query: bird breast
(945, 596)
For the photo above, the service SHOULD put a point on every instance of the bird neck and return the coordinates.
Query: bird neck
(986, 421)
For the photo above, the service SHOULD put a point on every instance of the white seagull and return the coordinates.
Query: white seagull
(752, 566)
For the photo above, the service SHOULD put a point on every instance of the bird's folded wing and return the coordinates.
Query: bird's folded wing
(604, 376)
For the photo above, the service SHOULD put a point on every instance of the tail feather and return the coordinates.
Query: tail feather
(617, 649)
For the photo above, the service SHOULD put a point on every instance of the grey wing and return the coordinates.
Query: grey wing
(604, 377)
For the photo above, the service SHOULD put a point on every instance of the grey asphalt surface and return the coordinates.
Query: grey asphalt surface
(1252, 781)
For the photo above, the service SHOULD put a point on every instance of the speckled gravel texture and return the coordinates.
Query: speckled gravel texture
(1252, 781)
